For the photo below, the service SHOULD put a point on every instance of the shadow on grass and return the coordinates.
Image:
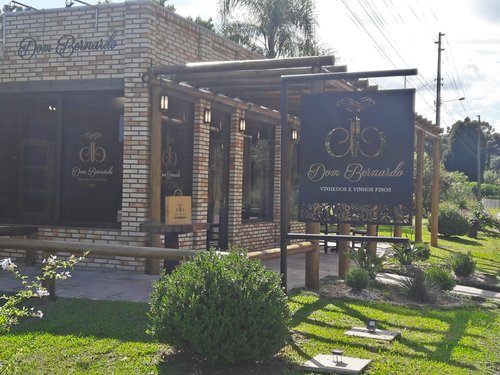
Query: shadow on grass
(462, 241)
(125, 321)
(439, 346)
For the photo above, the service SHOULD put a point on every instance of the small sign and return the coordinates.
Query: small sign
(178, 210)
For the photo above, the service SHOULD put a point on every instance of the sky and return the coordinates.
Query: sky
(370, 35)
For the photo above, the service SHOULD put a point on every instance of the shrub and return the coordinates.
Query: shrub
(223, 309)
(451, 222)
(455, 188)
(489, 190)
(408, 253)
(357, 278)
(418, 287)
(441, 277)
(481, 220)
(462, 264)
(362, 259)
(423, 251)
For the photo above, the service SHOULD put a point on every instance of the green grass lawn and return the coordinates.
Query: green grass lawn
(96, 337)
(485, 249)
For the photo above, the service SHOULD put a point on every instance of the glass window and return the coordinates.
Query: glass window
(61, 159)
(177, 149)
(258, 171)
(91, 160)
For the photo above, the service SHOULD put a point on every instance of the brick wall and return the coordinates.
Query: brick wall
(145, 34)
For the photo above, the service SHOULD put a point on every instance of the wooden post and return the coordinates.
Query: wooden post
(436, 162)
(153, 265)
(344, 258)
(398, 231)
(312, 259)
(371, 247)
(419, 188)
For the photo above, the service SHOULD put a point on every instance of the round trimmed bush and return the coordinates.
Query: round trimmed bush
(462, 264)
(357, 278)
(223, 309)
(451, 222)
(440, 277)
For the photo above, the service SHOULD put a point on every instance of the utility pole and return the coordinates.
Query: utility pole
(436, 161)
(438, 83)
(479, 158)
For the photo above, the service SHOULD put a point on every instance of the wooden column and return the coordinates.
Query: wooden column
(371, 247)
(436, 164)
(398, 231)
(419, 186)
(312, 259)
(153, 265)
(344, 258)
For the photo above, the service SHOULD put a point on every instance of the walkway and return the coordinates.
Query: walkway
(131, 286)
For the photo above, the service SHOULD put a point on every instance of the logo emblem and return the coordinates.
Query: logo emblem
(92, 153)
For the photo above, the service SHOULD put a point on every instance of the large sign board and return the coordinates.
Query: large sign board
(356, 157)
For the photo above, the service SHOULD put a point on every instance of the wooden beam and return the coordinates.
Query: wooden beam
(111, 84)
(218, 66)
(295, 248)
(250, 74)
(95, 248)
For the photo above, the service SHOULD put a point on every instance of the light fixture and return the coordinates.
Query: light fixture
(163, 103)
(70, 3)
(295, 134)
(207, 116)
(242, 124)
(337, 355)
(372, 326)
(14, 5)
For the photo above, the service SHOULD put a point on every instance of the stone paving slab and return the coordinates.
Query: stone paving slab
(379, 334)
(325, 364)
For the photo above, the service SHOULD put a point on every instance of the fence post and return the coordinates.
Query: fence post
(312, 259)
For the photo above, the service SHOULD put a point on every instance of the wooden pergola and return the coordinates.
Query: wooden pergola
(257, 84)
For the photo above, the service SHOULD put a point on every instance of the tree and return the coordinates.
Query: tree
(207, 24)
(163, 4)
(461, 154)
(274, 28)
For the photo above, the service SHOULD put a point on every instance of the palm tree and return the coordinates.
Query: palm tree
(274, 28)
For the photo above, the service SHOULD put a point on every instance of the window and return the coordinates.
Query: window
(177, 149)
(258, 171)
(61, 159)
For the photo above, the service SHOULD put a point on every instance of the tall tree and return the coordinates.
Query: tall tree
(274, 28)
(462, 153)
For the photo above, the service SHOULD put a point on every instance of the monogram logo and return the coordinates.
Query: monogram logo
(169, 157)
(92, 153)
(369, 141)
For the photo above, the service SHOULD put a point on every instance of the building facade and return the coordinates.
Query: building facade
(75, 133)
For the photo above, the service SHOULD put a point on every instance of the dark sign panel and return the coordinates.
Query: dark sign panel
(356, 163)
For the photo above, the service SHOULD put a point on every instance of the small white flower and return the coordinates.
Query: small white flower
(7, 264)
(39, 314)
(41, 293)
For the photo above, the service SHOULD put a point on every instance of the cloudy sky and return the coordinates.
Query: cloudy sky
(399, 34)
